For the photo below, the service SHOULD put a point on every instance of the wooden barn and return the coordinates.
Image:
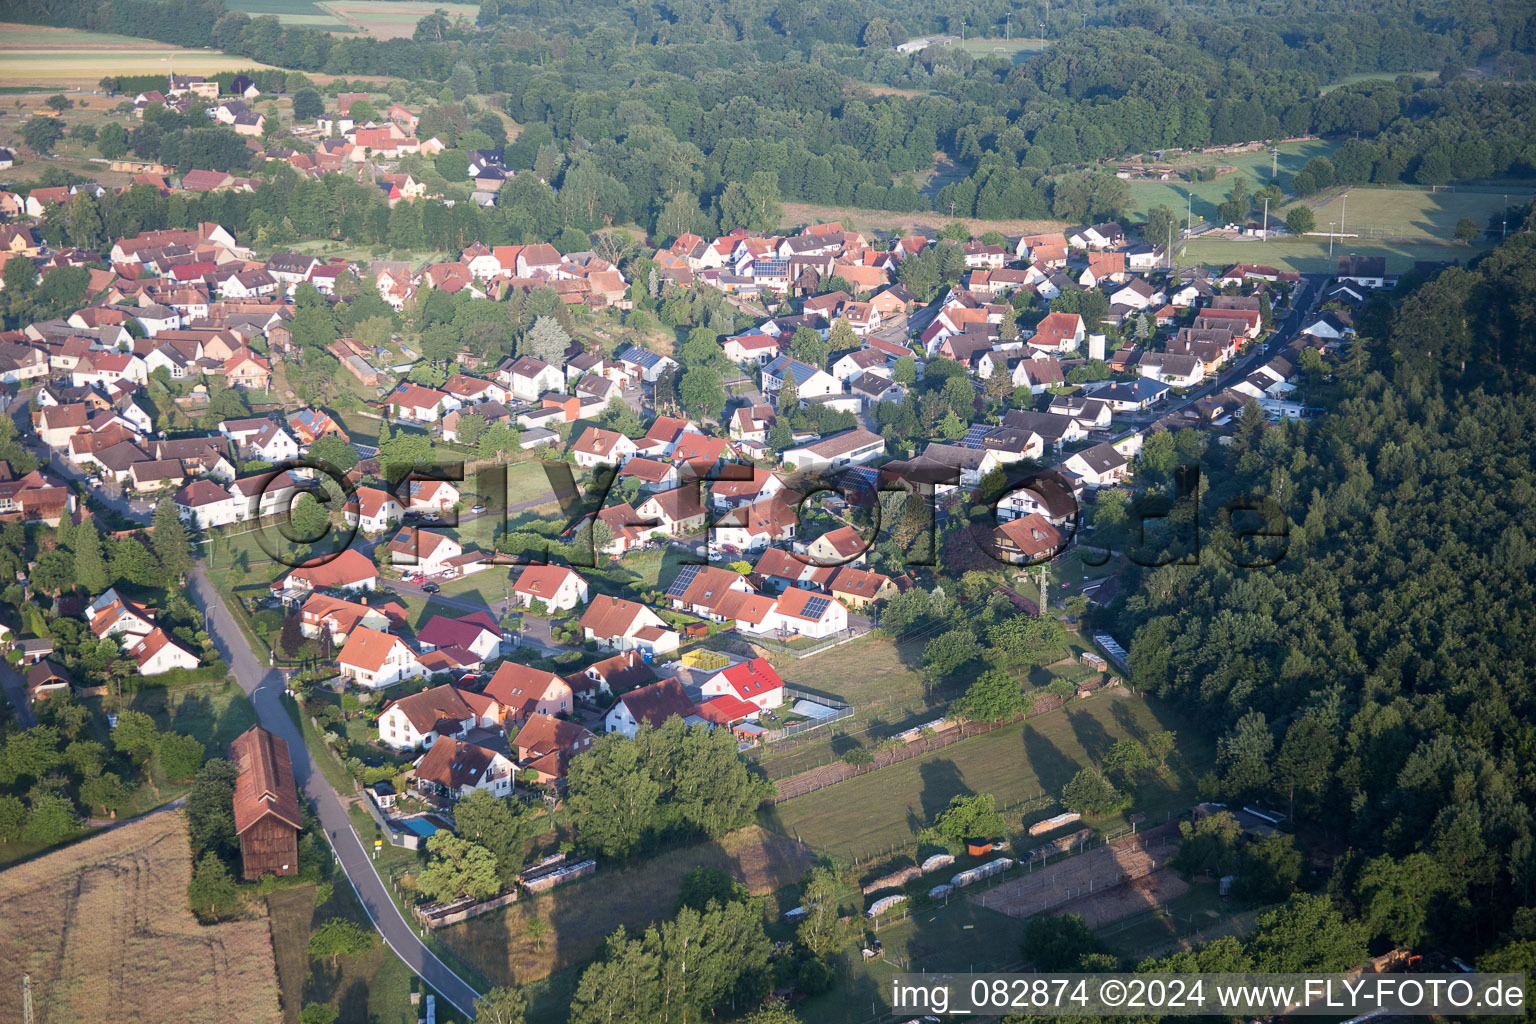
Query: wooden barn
(266, 804)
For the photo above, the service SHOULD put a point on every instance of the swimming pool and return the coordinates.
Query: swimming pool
(417, 826)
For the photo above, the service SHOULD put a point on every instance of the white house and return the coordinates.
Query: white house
(1099, 466)
(203, 503)
(599, 447)
(420, 719)
(423, 551)
(528, 378)
(374, 512)
(375, 659)
(157, 653)
(753, 681)
(801, 611)
(619, 625)
(652, 705)
(850, 448)
(559, 588)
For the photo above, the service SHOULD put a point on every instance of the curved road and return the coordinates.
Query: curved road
(265, 688)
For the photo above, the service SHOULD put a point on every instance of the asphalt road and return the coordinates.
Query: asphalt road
(265, 688)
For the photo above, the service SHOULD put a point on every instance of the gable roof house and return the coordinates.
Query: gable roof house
(455, 769)
(1100, 466)
(375, 659)
(350, 570)
(557, 587)
(439, 712)
(1028, 539)
(619, 625)
(157, 654)
(423, 551)
(266, 804)
(545, 746)
(597, 447)
(753, 681)
(525, 692)
(528, 378)
(649, 705)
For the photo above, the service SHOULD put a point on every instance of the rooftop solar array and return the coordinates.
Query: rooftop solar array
(685, 578)
(814, 607)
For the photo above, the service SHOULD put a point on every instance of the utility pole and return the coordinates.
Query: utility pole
(1274, 164)
(1043, 594)
(1504, 220)
(26, 999)
(1265, 236)
(1189, 215)
(1330, 239)
(1008, 27)
(962, 30)
(1343, 209)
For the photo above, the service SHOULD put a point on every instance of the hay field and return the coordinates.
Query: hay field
(103, 928)
(392, 19)
(60, 57)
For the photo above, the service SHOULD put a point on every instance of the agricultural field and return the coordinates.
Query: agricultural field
(873, 814)
(582, 914)
(61, 57)
(103, 929)
(387, 19)
(800, 214)
(293, 12)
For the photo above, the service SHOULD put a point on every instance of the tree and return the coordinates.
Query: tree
(452, 164)
(136, 736)
(807, 346)
(773, 1013)
(822, 931)
(1466, 229)
(1208, 845)
(210, 808)
(1090, 794)
(462, 80)
(308, 519)
(168, 537)
(318, 1013)
(701, 392)
(335, 452)
(1125, 760)
(1059, 943)
(1243, 755)
(112, 140)
(707, 884)
(90, 562)
(1306, 934)
(458, 869)
(840, 339)
(904, 370)
(547, 340)
(180, 755)
(505, 1005)
(504, 827)
(788, 399)
(1306, 759)
(1300, 219)
(970, 817)
(1270, 869)
(41, 133)
(1159, 226)
(340, 937)
(1160, 745)
(1397, 897)
(307, 105)
(993, 697)
(212, 893)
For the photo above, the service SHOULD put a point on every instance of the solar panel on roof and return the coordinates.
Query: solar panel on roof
(685, 578)
(814, 607)
(973, 437)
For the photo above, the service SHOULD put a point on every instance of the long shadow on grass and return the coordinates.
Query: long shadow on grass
(942, 782)
(1091, 734)
(1051, 766)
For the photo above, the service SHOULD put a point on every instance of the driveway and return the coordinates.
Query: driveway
(16, 692)
(265, 688)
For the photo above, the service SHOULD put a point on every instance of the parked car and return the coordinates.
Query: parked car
(477, 509)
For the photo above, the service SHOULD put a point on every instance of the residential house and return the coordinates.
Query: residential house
(860, 588)
(156, 654)
(753, 681)
(350, 570)
(525, 692)
(374, 659)
(546, 745)
(419, 720)
(556, 587)
(1099, 466)
(649, 705)
(475, 632)
(454, 769)
(619, 625)
(528, 378)
(424, 551)
(598, 447)
(677, 512)
(373, 510)
(849, 448)
(1029, 539)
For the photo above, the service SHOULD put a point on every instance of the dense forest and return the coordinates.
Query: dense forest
(652, 107)
(1377, 682)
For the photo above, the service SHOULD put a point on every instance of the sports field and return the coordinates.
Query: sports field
(61, 57)
(1208, 195)
(1408, 214)
(1019, 50)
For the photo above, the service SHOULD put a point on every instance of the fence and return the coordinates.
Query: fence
(838, 771)
(440, 915)
(837, 639)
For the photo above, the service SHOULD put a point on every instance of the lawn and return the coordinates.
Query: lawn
(374, 987)
(1208, 195)
(102, 928)
(876, 813)
(856, 219)
(582, 914)
(959, 937)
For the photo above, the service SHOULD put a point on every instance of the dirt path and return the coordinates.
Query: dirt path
(1091, 878)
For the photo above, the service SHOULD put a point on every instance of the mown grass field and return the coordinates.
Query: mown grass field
(800, 214)
(1208, 195)
(1017, 50)
(871, 814)
(1308, 255)
(60, 57)
(1408, 213)
(292, 12)
(582, 914)
(103, 929)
